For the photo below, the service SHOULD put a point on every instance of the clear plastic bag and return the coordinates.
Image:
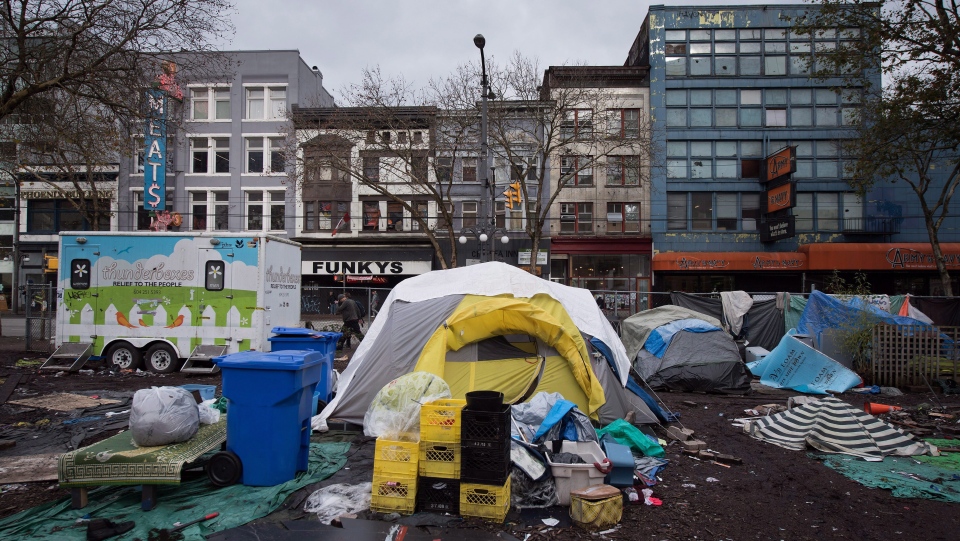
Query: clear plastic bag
(395, 412)
(163, 415)
(208, 413)
(333, 501)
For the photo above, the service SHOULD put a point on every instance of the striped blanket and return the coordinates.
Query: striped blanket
(831, 425)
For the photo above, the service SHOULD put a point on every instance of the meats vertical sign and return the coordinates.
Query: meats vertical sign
(155, 154)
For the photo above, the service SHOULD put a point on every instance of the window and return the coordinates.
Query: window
(255, 155)
(198, 211)
(200, 103)
(749, 211)
(266, 102)
(702, 210)
(326, 216)
(205, 100)
(421, 209)
(394, 216)
(469, 213)
(444, 169)
(263, 205)
(526, 168)
(828, 217)
(53, 215)
(623, 218)
(803, 212)
(576, 170)
(576, 218)
(418, 137)
(419, 166)
(623, 123)
(469, 169)
(371, 215)
(143, 215)
(776, 118)
(726, 212)
(442, 221)
(577, 124)
(371, 169)
(221, 210)
(500, 214)
(676, 211)
(402, 137)
(204, 150)
(623, 170)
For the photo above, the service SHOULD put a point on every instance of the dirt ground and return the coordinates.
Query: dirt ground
(775, 494)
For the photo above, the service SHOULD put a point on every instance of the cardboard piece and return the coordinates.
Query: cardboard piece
(63, 402)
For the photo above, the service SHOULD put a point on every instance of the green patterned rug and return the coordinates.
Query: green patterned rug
(119, 461)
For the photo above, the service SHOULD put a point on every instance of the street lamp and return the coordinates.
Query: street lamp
(484, 234)
(481, 232)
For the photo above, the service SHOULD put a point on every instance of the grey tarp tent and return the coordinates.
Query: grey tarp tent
(693, 361)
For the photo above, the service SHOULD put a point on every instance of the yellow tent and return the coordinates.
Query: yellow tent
(566, 369)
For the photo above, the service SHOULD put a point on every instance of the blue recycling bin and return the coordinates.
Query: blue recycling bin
(298, 338)
(270, 400)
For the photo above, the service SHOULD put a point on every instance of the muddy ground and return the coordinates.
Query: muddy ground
(775, 494)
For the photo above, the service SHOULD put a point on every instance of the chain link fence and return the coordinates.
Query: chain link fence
(41, 313)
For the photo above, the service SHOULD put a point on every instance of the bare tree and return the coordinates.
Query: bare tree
(563, 126)
(70, 148)
(98, 50)
(908, 127)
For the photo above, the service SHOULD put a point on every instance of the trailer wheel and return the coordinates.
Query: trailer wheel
(124, 356)
(161, 359)
(224, 469)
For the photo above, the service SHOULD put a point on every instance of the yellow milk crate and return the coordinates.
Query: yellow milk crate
(394, 493)
(396, 457)
(485, 501)
(440, 420)
(439, 459)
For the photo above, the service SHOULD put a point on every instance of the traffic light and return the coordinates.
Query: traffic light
(512, 195)
(50, 263)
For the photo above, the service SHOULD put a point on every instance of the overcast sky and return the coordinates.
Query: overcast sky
(420, 39)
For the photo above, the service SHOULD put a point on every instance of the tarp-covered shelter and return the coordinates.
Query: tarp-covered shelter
(831, 425)
(681, 349)
(493, 327)
(824, 312)
(762, 324)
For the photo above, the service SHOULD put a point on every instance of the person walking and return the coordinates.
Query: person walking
(350, 313)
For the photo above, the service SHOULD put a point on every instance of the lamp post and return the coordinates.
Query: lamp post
(488, 196)
(485, 234)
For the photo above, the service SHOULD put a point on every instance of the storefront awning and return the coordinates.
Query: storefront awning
(729, 261)
(878, 256)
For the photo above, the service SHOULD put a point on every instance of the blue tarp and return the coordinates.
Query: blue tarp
(659, 340)
(827, 312)
(795, 365)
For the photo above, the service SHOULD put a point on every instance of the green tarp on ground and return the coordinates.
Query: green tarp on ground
(188, 501)
(934, 478)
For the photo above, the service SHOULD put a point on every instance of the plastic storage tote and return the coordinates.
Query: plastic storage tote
(576, 476)
(270, 396)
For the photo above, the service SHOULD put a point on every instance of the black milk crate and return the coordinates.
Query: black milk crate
(485, 429)
(484, 466)
(436, 495)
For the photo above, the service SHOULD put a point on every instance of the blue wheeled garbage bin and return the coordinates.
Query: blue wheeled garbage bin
(298, 338)
(270, 401)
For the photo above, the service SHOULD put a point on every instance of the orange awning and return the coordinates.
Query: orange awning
(729, 261)
(878, 256)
